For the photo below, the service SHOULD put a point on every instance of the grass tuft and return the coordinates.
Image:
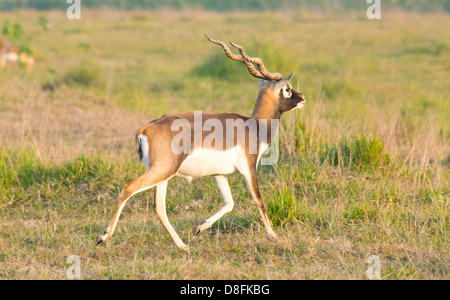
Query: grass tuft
(356, 152)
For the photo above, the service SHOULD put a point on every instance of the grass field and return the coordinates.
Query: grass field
(364, 167)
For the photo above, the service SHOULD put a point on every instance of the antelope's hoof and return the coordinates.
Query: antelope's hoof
(184, 248)
(99, 240)
(197, 228)
(273, 237)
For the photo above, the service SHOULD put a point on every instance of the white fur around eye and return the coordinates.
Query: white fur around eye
(287, 94)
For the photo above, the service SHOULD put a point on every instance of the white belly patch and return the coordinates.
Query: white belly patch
(204, 162)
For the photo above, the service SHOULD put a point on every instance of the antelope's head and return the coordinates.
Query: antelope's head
(288, 99)
(275, 91)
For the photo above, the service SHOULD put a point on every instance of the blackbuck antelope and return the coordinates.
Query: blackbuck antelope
(12, 56)
(185, 145)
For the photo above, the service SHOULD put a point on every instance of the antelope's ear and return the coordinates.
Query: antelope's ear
(282, 82)
(289, 77)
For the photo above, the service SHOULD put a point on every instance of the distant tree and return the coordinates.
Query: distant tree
(43, 22)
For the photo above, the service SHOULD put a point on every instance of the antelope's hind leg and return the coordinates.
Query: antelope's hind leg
(141, 184)
(160, 209)
(225, 191)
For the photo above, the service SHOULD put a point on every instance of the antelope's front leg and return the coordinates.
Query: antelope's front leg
(252, 183)
(225, 191)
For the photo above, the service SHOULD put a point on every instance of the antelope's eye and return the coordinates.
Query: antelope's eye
(288, 89)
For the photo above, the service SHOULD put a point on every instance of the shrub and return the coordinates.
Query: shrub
(81, 76)
(12, 31)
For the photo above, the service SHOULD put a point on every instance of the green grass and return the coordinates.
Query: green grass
(354, 152)
(363, 169)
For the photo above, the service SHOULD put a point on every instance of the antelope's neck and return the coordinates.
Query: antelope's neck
(267, 113)
(266, 107)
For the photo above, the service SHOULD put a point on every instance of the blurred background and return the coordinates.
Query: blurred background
(251, 5)
(368, 156)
